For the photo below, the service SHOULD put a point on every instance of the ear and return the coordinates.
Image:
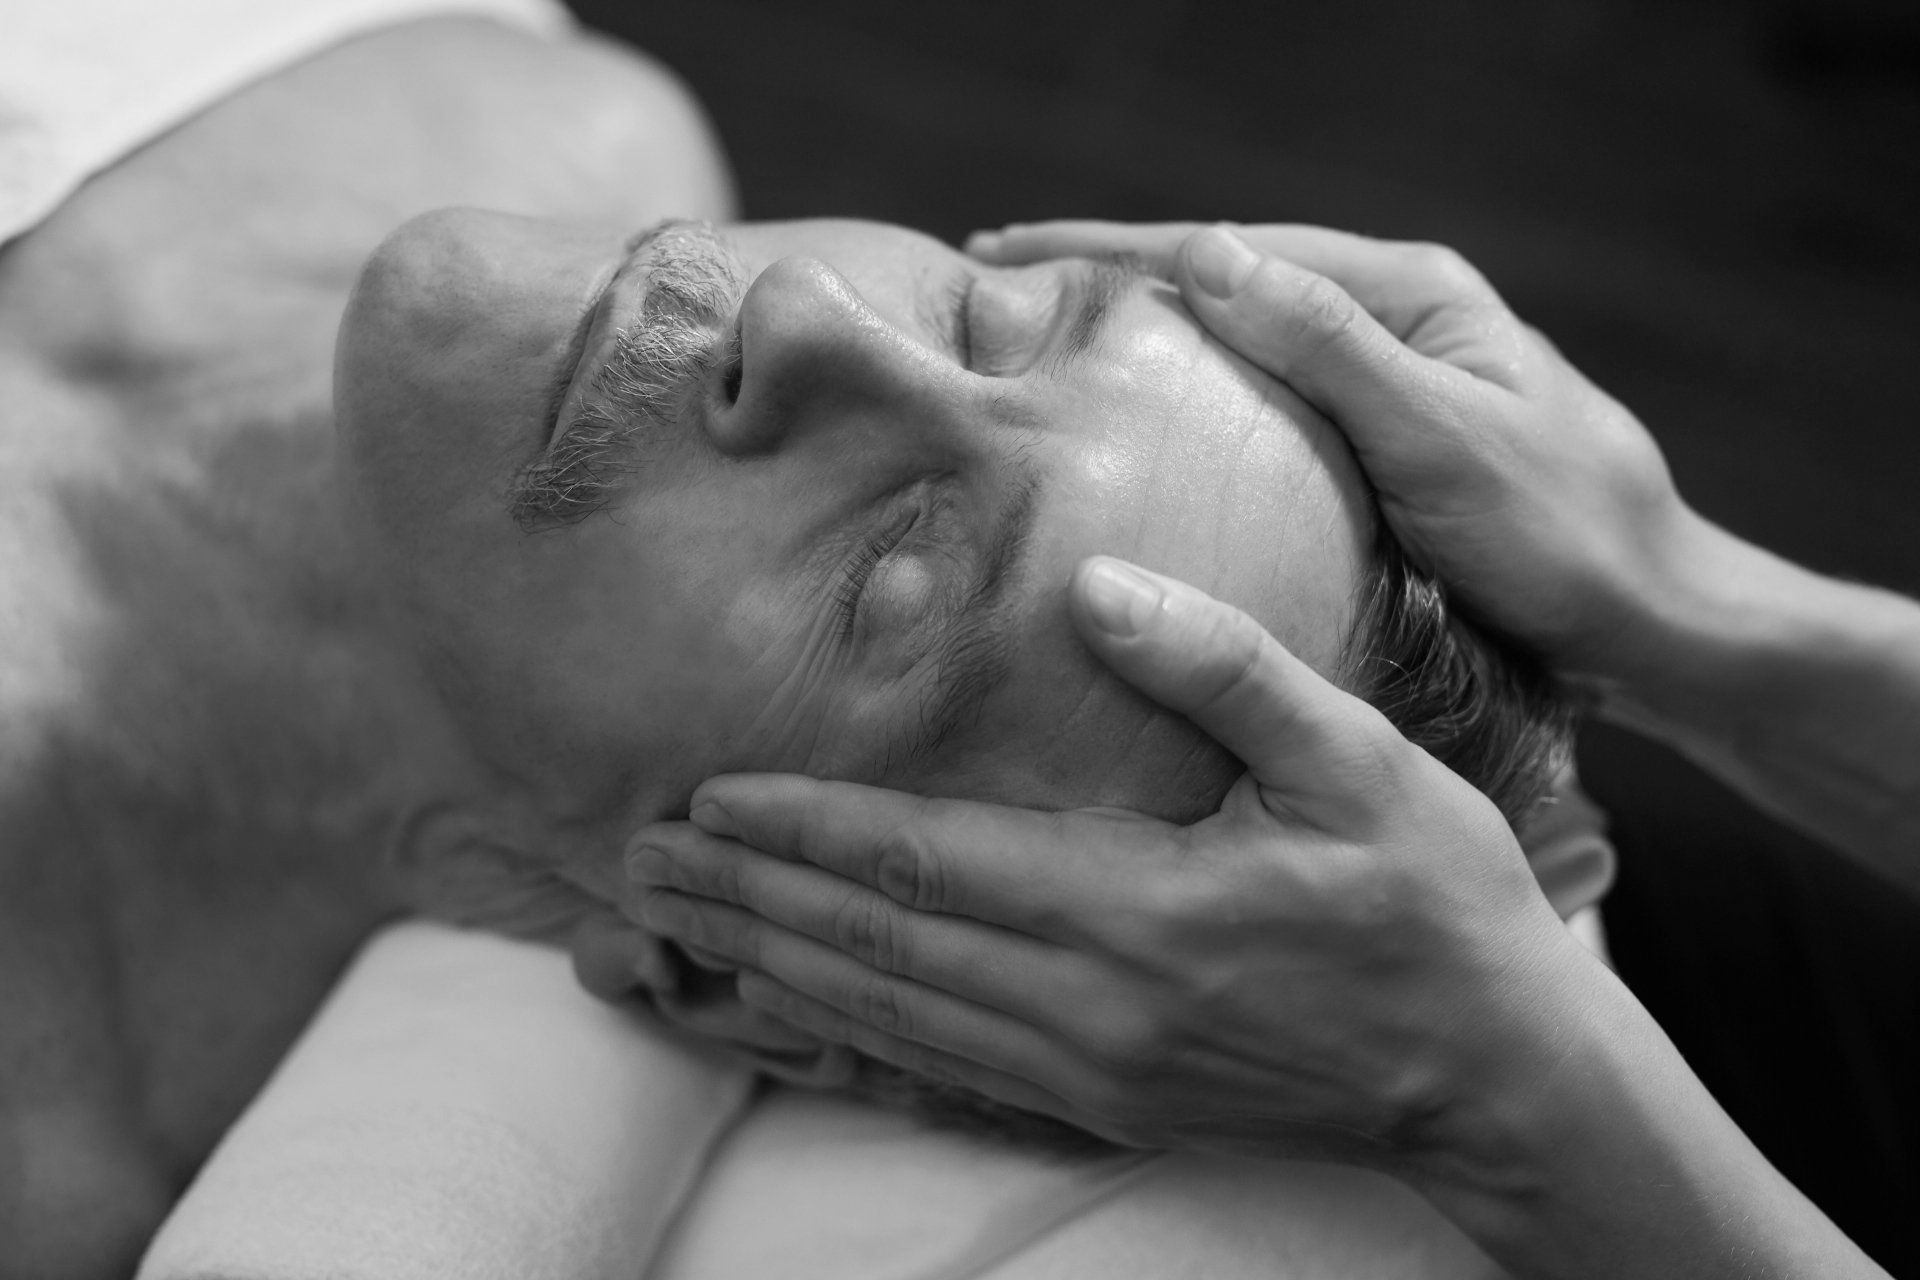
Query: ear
(623, 964)
(463, 867)
(619, 962)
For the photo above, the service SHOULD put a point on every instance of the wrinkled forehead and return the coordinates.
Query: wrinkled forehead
(1199, 465)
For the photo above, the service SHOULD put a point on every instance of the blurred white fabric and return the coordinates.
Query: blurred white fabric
(458, 1108)
(83, 82)
(461, 1108)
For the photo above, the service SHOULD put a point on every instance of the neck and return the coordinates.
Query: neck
(210, 815)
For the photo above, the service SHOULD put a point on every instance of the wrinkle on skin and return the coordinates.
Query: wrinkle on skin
(793, 724)
(684, 630)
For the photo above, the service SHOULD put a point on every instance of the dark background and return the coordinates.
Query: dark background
(1713, 207)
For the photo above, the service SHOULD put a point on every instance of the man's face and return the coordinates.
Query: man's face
(806, 497)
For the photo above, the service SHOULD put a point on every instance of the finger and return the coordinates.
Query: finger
(1305, 329)
(973, 960)
(1327, 754)
(1316, 320)
(831, 1025)
(614, 960)
(725, 1019)
(1154, 243)
(1365, 261)
(1001, 865)
(1040, 984)
(893, 1006)
(878, 1014)
(1402, 283)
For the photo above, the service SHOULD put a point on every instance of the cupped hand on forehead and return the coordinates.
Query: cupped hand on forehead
(1540, 501)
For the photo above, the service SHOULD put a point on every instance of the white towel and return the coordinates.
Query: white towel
(457, 1109)
(83, 82)
(460, 1109)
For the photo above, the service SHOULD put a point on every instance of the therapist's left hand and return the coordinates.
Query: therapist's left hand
(1340, 963)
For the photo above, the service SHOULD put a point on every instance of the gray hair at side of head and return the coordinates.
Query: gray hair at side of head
(1481, 706)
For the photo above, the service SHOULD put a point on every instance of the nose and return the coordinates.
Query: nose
(816, 359)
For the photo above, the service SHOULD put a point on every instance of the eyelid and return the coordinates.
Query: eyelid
(1026, 323)
(849, 590)
(960, 312)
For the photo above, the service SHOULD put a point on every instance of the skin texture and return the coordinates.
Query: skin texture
(1548, 509)
(210, 739)
(1081, 966)
(705, 592)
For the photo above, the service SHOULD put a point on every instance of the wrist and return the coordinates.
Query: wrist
(1698, 628)
(1502, 1107)
(1593, 1151)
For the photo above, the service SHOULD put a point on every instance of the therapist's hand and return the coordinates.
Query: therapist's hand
(627, 966)
(1344, 961)
(1542, 503)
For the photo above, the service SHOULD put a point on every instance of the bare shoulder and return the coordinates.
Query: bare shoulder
(239, 233)
(198, 708)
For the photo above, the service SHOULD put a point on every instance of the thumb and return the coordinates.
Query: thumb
(1323, 751)
(1305, 329)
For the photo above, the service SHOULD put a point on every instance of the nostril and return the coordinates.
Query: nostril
(734, 368)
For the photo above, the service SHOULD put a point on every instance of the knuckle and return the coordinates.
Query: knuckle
(936, 1067)
(1321, 315)
(868, 931)
(725, 879)
(1233, 645)
(877, 1003)
(907, 868)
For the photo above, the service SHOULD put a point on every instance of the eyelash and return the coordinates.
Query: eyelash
(960, 307)
(846, 595)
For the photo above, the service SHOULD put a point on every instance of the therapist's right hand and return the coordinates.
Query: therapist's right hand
(1541, 502)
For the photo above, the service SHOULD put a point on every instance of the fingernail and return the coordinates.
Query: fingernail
(983, 244)
(1120, 599)
(710, 817)
(649, 864)
(1220, 261)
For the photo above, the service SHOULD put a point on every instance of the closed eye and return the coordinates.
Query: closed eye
(859, 571)
(960, 317)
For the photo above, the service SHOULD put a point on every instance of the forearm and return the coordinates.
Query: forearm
(1606, 1157)
(1801, 691)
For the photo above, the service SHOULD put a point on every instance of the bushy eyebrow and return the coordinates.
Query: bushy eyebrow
(1105, 283)
(654, 362)
(975, 652)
